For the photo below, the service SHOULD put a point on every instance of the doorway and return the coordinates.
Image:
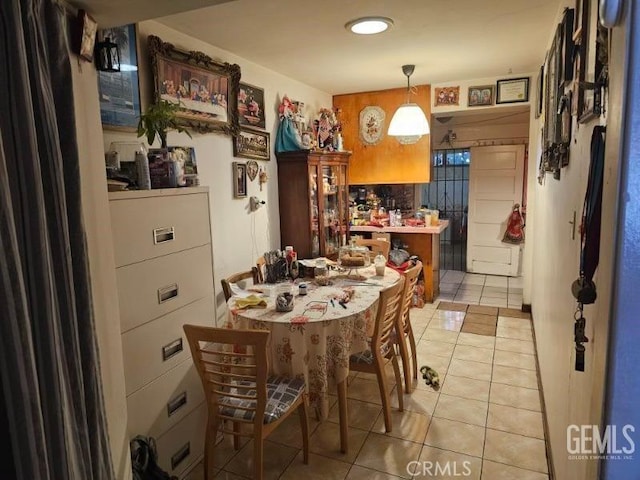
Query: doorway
(448, 192)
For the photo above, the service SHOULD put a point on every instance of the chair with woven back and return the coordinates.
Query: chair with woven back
(376, 246)
(381, 352)
(404, 331)
(232, 365)
(235, 278)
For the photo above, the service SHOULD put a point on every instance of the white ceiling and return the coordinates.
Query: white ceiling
(447, 40)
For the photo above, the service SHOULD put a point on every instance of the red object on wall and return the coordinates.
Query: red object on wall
(514, 233)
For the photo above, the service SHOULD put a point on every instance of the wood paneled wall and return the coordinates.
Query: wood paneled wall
(388, 161)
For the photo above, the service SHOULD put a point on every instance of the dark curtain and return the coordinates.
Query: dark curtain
(49, 363)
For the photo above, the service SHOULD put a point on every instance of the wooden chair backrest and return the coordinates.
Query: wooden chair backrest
(410, 279)
(261, 265)
(233, 364)
(388, 306)
(235, 278)
(376, 246)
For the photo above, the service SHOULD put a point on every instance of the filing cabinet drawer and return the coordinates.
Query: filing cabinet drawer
(156, 347)
(183, 444)
(156, 287)
(150, 227)
(163, 403)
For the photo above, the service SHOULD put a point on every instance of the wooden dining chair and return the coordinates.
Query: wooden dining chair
(261, 266)
(376, 246)
(232, 365)
(403, 335)
(235, 278)
(380, 351)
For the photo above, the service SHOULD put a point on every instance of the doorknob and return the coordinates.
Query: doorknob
(573, 226)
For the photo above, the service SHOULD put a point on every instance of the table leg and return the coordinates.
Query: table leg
(342, 408)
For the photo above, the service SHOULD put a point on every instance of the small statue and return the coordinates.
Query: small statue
(514, 233)
(430, 377)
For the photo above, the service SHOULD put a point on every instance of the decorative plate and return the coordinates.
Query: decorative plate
(371, 125)
(252, 169)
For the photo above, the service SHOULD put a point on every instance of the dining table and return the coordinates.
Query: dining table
(316, 338)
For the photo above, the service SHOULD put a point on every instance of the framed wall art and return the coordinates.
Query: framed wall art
(206, 90)
(481, 96)
(252, 144)
(251, 106)
(512, 90)
(539, 93)
(446, 96)
(239, 180)
(119, 92)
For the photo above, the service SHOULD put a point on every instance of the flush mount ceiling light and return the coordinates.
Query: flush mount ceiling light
(369, 25)
(409, 123)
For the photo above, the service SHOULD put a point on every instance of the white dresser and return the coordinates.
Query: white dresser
(164, 269)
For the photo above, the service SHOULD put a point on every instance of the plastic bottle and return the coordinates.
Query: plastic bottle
(142, 167)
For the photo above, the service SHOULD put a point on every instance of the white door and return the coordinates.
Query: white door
(495, 185)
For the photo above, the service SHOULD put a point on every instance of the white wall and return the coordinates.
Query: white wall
(572, 397)
(479, 135)
(239, 237)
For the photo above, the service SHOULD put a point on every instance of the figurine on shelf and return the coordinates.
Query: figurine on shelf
(288, 137)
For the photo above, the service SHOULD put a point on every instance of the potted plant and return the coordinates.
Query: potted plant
(158, 120)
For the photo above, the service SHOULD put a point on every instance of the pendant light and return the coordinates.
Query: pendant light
(409, 123)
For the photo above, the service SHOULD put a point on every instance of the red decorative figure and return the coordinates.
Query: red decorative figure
(514, 233)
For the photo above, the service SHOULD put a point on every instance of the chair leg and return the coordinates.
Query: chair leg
(384, 396)
(304, 425)
(342, 410)
(414, 354)
(258, 455)
(396, 371)
(402, 346)
(209, 445)
(236, 437)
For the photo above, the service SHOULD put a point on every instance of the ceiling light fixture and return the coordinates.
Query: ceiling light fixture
(409, 123)
(369, 25)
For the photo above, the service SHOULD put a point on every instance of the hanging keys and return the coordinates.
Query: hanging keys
(579, 338)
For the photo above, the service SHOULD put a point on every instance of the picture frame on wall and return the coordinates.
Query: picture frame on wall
(86, 35)
(119, 92)
(251, 106)
(250, 143)
(512, 90)
(447, 96)
(206, 90)
(480, 96)
(239, 180)
(539, 92)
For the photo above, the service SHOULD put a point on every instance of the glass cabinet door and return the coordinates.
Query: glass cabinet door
(334, 207)
(314, 214)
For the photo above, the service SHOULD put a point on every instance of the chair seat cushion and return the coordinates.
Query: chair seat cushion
(282, 392)
(366, 356)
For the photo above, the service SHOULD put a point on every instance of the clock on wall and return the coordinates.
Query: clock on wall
(371, 125)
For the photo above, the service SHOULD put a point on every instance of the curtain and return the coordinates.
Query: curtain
(49, 362)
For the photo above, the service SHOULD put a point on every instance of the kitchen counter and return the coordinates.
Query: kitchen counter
(421, 241)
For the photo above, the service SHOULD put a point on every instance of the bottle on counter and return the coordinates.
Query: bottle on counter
(142, 168)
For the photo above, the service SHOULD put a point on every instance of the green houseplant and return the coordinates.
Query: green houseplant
(158, 120)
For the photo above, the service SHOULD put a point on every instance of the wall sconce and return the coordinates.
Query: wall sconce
(107, 56)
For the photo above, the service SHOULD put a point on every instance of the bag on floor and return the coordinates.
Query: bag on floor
(144, 460)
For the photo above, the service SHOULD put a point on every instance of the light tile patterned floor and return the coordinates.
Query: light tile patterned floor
(484, 423)
(476, 289)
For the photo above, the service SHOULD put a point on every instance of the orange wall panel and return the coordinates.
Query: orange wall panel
(388, 161)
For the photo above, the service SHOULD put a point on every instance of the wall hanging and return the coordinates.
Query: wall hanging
(251, 106)
(249, 143)
(206, 90)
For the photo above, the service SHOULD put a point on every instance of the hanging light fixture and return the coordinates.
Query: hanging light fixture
(107, 56)
(409, 123)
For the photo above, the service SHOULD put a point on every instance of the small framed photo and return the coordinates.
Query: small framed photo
(86, 36)
(481, 96)
(512, 90)
(251, 106)
(239, 180)
(252, 144)
(445, 96)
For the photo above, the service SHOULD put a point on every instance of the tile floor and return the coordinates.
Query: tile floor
(485, 422)
(476, 289)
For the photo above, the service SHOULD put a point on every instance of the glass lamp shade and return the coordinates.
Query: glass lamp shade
(408, 124)
(107, 56)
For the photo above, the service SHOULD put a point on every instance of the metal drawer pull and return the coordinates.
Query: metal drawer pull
(171, 349)
(180, 455)
(167, 293)
(176, 404)
(164, 235)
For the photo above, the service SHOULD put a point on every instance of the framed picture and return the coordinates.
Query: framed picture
(481, 96)
(593, 53)
(512, 90)
(539, 93)
(447, 96)
(251, 106)
(252, 144)
(567, 46)
(86, 35)
(239, 180)
(577, 24)
(119, 91)
(206, 90)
